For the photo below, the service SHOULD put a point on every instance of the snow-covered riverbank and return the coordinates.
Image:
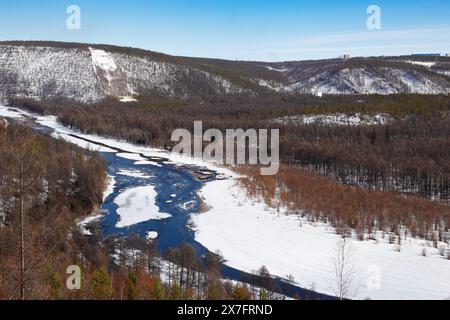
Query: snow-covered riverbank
(128, 150)
(249, 235)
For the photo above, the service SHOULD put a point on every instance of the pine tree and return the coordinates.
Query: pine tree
(132, 288)
(101, 285)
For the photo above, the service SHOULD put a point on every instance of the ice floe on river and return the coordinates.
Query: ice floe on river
(151, 235)
(133, 174)
(137, 205)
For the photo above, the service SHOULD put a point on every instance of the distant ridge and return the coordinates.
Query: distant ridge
(48, 70)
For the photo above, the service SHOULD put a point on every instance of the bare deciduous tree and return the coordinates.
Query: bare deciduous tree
(345, 285)
(28, 172)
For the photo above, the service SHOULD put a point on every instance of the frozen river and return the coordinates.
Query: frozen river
(151, 196)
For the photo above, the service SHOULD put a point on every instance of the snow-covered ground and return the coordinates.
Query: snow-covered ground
(127, 99)
(10, 113)
(137, 205)
(103, 60)
(91, 75)
(249, 235)
(362, 80)
(132, 151)
(84, 223)
(275, 69)
(110, 187)
(80, 142)
(110, 76)
(422, 63)
(273, 85)
(48, 72)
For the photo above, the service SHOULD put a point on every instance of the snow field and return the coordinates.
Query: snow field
(249, 235)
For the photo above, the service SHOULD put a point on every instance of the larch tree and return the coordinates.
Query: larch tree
(344, 268)
(27, 173)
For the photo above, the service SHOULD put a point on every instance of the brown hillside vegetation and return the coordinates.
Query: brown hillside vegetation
(45, 185)
(348, 207)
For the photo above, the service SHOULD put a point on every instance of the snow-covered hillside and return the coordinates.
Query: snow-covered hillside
(382, 80)
(340, 119)
(87, 74)
(111, 78)
(90, 73)
(48, 72)
(171, 80)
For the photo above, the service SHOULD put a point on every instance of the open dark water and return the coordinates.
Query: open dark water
(169, 179)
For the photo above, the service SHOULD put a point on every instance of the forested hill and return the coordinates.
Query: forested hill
(46, 185)
(90, 73)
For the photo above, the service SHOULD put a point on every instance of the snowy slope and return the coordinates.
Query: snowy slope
(422, 63)
(381, 80)
(170, 79)
(91, 73)
(88, 74)
(44, 72)
(340, 119)
(110, 76)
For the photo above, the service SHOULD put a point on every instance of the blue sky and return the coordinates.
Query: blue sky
(247, 30)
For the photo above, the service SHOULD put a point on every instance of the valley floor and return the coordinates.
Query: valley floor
(250, 234)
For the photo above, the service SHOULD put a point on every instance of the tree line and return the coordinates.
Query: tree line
(410, 153)
(349, 208)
